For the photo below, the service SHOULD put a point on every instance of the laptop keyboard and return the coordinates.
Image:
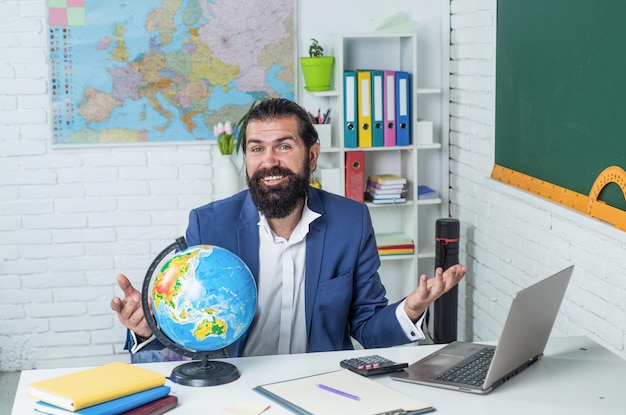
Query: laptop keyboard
(470, 372)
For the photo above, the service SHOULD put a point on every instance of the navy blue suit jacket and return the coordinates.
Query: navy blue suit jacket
(344, 295)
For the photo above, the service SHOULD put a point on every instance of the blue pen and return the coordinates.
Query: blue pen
(327, 116)
(338, 392)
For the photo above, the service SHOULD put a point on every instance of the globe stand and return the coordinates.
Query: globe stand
(205, 372)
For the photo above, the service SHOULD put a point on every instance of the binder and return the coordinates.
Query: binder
(349, 110)
(389, 107)
(355, 175)
(403, 109)
(364, 107)
(378, 121)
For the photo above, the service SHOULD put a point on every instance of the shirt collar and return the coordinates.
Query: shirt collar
(301, 229)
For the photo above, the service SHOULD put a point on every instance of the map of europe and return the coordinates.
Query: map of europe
(167, 71)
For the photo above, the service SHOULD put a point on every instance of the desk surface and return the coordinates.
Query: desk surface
(575, 376)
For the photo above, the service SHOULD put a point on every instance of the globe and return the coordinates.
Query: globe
(202, 299)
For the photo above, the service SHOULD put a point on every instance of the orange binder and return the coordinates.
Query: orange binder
(364, 107)
(355, 175)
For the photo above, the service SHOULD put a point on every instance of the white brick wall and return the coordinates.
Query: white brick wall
(73, 218)
(512, 239)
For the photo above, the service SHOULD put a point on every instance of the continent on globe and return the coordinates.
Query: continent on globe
(211, 327)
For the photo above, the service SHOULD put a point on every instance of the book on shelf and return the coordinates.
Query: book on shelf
(96, 385)
(425, 192)
(393, 239)
(378, 186)
(341, 392)
(394, 243)
(396, 251)
(376, 192)
(386, 179)
(112, 407)
(394, 195)
(386, 201)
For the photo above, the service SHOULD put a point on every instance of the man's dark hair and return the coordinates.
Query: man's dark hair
(277, 108)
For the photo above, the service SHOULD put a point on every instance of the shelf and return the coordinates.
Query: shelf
(368, 149)
(389, 205)
(426, 254)
(403, 257)
(426, 91)
(429, 146)
(416, 161)
(436, 201)
(383, 148)
(329, 93)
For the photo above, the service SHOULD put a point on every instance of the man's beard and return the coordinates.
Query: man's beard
(279, 201)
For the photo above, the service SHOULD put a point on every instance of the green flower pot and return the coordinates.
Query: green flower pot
(317, 72)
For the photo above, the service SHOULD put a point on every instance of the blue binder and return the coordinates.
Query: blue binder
(403, 108)
(378, 119)
(350, 131)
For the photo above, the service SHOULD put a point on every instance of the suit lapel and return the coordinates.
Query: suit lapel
(248, 251)
(314, 254)
(248, 236)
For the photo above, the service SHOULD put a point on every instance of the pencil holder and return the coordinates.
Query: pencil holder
(324, 134)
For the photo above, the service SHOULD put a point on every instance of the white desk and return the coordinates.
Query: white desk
(576, 376)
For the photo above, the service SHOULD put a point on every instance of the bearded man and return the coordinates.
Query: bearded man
(312, 253)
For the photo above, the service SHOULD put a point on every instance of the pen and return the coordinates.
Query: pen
(338, 392)
(327, 116)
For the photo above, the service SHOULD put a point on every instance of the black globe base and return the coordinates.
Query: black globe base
(205, 373)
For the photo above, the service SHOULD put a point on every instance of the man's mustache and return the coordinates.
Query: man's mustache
(273, 171)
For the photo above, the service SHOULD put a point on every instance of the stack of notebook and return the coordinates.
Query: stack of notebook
(385, 188)
(394, 243)
(426, 192)
(112, 389)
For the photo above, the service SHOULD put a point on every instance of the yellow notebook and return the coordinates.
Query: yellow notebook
(100, 384)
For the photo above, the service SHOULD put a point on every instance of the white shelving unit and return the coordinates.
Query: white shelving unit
(420, 163)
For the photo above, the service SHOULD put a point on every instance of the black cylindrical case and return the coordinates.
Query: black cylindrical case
(446, 254)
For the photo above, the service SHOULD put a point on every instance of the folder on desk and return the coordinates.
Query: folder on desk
(355, 175)
(349, 110)
(378, 121)
(403, 108)
(341, 392)
(389, 107)
(364, 107)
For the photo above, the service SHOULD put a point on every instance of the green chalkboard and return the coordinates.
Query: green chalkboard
(561, 91)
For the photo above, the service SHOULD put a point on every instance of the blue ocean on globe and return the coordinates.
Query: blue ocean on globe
(204, 298)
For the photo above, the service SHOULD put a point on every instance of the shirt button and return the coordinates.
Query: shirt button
(412, 334)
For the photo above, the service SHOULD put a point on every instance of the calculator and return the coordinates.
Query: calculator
(372, 365)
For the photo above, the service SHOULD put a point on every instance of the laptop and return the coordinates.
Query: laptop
(477, 368)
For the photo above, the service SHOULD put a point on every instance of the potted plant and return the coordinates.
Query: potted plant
(317, 68)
